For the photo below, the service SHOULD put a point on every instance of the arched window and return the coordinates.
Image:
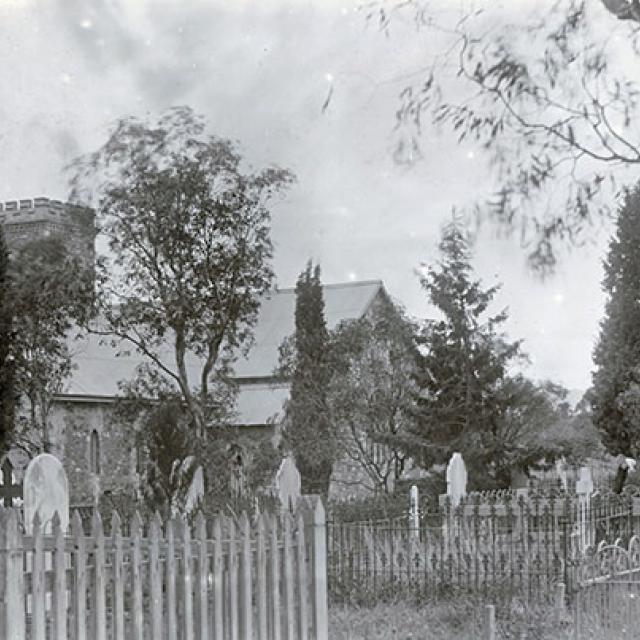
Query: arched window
(94, 452)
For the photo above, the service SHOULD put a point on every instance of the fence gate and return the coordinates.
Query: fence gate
(606, 603)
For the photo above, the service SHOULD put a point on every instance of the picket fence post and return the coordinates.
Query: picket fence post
(155, 577)
(316, 535)
(12, 620)
(301, 550)
(80, 578)
(99, 579)
(274, 576)
(60, 582)
(170, 576)
(560, 602)
(136, 577)
(203, 578)
(246, 579)
(490, 622)
(38, 615)
(118, 577)
(218, 621)
(261, 576)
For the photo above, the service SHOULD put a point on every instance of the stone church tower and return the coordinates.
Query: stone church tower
(26, 220)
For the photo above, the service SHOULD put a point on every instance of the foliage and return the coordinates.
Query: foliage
(372, 391)
(546, 93)
(469, 401)
(188, 228)
(308, 432)
(54, 295)
(189, 232)
(168, 455)
(8, 397)
(166, 446)
(616, 378)
(575, 433)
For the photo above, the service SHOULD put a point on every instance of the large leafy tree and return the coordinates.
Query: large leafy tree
(7, 351)
(53, 296)
(615, 395)
(309, 432)
(372, 391)
(468, 400)
(546, 92)
(188, 229)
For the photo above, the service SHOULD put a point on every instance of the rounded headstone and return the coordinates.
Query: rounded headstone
(45, 492)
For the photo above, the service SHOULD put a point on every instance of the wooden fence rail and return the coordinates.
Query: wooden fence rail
(220, 580)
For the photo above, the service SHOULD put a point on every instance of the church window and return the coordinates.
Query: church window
(94, 452)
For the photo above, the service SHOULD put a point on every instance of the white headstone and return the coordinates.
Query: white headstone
(584, 489)
(415, 511)
(46, 492)
(456, 479)
(196, 490)
(288, 483)
(584, 485)
(631, 464)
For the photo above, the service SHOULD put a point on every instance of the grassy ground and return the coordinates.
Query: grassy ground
(459, 620)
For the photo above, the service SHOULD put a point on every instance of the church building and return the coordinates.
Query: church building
(87, 436)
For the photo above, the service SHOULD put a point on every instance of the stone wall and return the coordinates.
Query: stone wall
(72, 426)
(27, 220)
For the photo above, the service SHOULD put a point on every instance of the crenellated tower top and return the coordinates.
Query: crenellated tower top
(27, 220)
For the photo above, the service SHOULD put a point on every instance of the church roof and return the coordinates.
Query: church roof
(98, 370)
(277, 321)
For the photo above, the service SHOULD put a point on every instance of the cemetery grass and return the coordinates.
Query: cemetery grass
(462, 619)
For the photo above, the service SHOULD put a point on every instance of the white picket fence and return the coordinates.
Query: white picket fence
(218, 580)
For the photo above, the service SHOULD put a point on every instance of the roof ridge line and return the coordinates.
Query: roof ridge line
(333, 285)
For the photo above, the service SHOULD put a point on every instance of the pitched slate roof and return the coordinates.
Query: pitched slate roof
(277, 321)
(98, 371)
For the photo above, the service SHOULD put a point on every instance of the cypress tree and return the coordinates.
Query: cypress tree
(616, 377)
(308, 432)
(7, 358)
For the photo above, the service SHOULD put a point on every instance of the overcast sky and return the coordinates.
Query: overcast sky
(261, 73)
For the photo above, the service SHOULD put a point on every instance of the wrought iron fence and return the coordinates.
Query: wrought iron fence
(498, 546)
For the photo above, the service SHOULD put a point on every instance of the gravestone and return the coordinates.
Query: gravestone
(287, 483)
(584, 489)
(456, 479)
(196, 490)
(414, 514)
(584, 485)
(561, 473)
(46, 492)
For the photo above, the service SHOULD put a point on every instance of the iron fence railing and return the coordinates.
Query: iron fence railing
(500, 548)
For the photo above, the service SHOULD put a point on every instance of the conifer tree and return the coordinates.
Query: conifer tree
(616, 379)
(308, 431)
(468, 401)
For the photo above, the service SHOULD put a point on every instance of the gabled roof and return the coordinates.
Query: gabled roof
(98, 370)
(276, 322)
